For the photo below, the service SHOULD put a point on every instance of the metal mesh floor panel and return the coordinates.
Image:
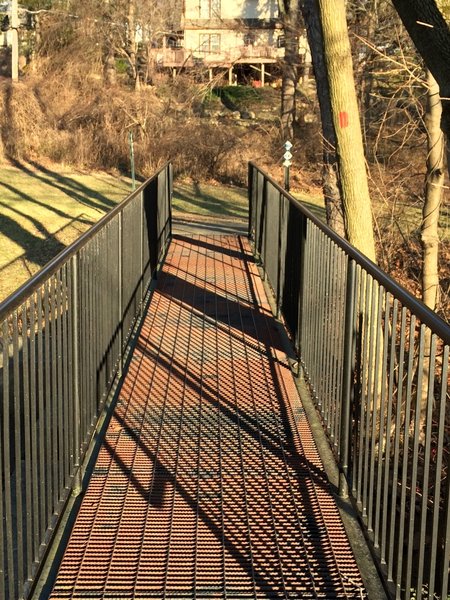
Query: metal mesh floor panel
(204, 485)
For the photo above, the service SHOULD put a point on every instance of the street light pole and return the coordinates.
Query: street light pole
(15, 40)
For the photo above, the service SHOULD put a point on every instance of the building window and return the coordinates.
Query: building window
(210, 42)
(214, 42)
(209, 9)
(215, 8)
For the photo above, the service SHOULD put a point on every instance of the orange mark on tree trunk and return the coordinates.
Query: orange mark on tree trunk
(343, 119)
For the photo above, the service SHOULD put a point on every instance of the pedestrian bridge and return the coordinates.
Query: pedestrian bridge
(165, 400)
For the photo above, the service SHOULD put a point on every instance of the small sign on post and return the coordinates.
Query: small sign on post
(286, 164)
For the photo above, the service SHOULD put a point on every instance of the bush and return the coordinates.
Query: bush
(66, 116)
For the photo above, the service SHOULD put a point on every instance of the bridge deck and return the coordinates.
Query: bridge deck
(208, 483)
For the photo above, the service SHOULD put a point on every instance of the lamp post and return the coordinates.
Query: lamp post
(133, 171)
(286, 164)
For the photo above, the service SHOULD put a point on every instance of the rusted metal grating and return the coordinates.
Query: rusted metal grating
(204, 487)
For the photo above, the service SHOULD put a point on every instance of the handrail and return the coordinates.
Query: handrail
(377, 363)
(426, 315)
(64, 336)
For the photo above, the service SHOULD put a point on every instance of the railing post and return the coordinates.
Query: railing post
(141, 229)
(264, 233)
(347, 387)
(250, 199)
(300, 297)
(170, 192)
(78, 480)
(120, 290)
(280, 279)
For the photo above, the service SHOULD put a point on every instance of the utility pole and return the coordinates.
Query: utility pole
(15, 40)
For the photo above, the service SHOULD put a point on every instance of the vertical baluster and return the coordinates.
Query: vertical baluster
(75, 326)
(349, 369)
(53, 398)
(436, 534)
(387, 501)
(59, 316)
(374, 388)
(431, 360)
(11, 574)
(28, 523)
(405, 457)
(34, 426)
(395, 522)
(18, 540)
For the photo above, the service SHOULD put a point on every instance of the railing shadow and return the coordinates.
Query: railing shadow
(243, 441)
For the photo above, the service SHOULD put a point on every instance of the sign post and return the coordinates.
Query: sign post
(286, 164)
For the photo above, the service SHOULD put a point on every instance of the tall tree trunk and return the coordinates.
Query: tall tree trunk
(431, 35)
(291, 66)
(367, 75)
(131, 42)
(430, 221)
(433, 195)
(331, 190)
(344, 106)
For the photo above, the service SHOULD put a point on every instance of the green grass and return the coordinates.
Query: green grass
(42, 211)
(313, 202)
(192, 199)
(238, 94)
(263, 102)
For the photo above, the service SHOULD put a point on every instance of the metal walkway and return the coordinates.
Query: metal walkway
(208, 483)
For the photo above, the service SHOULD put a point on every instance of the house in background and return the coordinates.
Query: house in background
(242, 36)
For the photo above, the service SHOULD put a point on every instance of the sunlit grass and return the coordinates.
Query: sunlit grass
(207, 200)
(42, 211)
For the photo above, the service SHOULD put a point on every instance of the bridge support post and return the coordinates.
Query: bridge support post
(77, 483)
(120, 291)
(348, 388)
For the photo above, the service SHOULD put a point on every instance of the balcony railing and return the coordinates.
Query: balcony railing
(377, 363)
(63, 340)
(181, 57)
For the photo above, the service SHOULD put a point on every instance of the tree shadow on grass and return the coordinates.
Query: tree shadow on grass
(72, 188)
(36, 249)
(211, 205)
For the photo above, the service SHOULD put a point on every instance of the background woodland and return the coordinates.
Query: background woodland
(85, 83)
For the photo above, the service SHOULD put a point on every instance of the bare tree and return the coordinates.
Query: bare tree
(433, 195)
(331, 188)
(289, 13)
(430, 33)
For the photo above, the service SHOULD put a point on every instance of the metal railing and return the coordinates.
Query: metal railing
(377, 363)
(182, 57)
(63, 336)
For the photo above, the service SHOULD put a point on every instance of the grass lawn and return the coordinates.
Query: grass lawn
(42, 211)
(192, 200)
(205, 201)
